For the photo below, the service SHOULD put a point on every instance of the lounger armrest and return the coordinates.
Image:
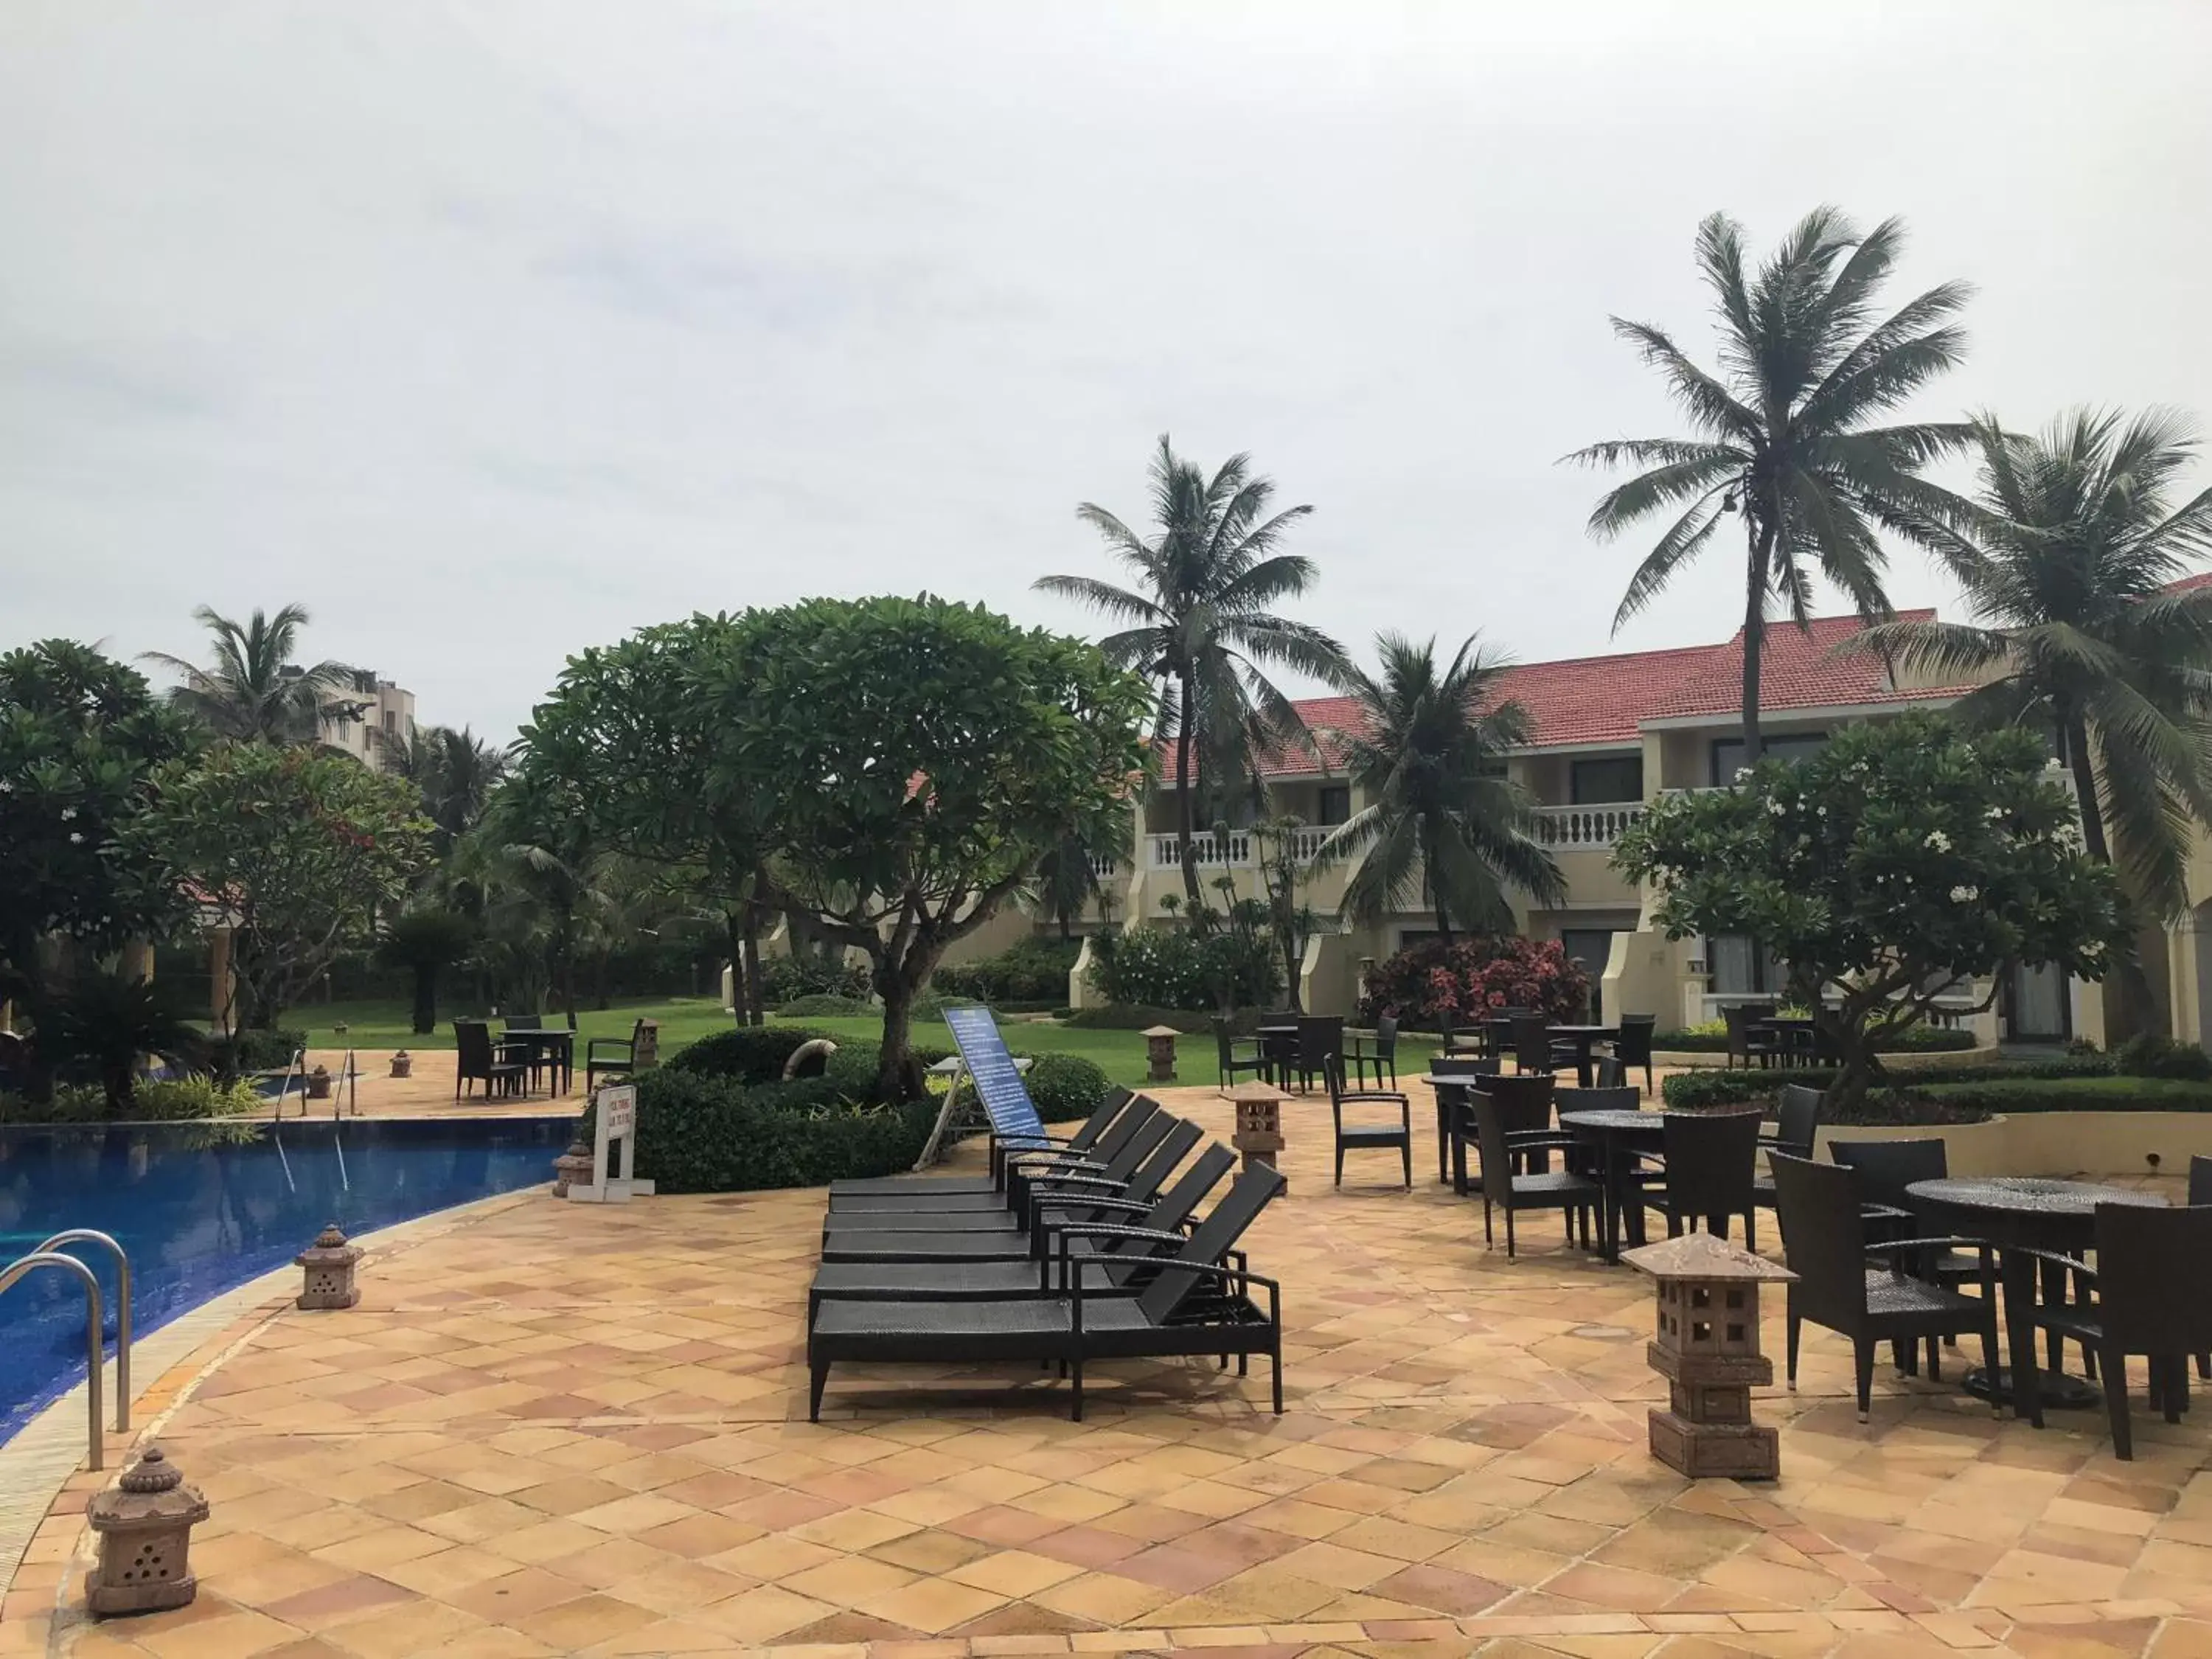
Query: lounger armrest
(1106, 1230)
(1054, 1160)
(1946, 1241)
(1122, 1206)
(1046, 1186)
(1883, 1213)
(2072, 1264)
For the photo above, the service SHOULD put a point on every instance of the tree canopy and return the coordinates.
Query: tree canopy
(252, 692)
(82, 741)
(1905, 861)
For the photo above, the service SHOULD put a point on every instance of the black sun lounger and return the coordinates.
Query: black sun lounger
(1138, 1171)
(1195, 1306)
(1085, 1136)
(1116, 1265)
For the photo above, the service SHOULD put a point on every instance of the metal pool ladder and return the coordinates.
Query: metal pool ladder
(50, 1254)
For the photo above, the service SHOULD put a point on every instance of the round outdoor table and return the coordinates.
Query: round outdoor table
(1618, 1134)
(1788, 1029)
(1583, 1037)
(2017, 1213)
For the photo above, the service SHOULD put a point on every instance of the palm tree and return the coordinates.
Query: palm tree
(1781, 436)
(1199, 620)
(1066, 878)
(2067, 555)
(456, 771)
(1442, 821)
(252, 693)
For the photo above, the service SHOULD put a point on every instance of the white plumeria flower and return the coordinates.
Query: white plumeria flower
(76, 838)
(1938, 840)
(1965, 894)
(68, 812)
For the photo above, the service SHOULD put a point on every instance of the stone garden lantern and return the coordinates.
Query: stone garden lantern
(330, 1261)
(1159, 1053)
(402, 1064)
(572, 1169)
(145, 1523)
(1706, 1346)
(1259, 1122)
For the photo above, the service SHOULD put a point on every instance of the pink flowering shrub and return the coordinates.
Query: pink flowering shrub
(1464, 980)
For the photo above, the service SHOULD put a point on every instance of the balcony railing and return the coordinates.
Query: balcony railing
(1239, 850)
(1103, 865)
(1586, 827)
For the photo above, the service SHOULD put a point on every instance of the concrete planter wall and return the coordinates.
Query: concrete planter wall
(2090, 1145)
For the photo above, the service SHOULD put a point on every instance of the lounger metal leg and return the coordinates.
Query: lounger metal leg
(1075, 1368)
(818, 1379)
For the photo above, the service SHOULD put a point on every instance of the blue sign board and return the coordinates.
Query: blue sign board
(991, 1072)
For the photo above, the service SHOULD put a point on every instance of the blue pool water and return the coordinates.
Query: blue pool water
(202, 1208)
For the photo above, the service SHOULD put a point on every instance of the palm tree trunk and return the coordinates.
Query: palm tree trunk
(2077, 730)
(1185, 808)
(2127, 995)
(1754, 640)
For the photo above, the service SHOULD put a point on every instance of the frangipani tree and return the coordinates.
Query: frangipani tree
(1902, 863)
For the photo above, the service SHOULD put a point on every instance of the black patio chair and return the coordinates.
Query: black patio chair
(1606, 1072)
(1114, 1264)
(1744, 1043)
(1797, 1120)
(476, 1059)
(1449, 1101)
(1531, 1044)
(1631, 1049)
(1823, 1242)
(1378, 1050)
(1320, 1039)
(1228, 1062)
(1526, 1105)
(641, 1052)
(1706, 1167)
(1195, 1307)
(2150, 1293)
(1504, 1188)
(1368, 1137)
(1885, 1169)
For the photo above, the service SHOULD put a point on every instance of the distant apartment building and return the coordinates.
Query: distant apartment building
(368, 719)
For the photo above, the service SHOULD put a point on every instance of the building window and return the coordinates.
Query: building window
(1727, 752)
(1335, 803)
(1741, 968)
(1617, 777)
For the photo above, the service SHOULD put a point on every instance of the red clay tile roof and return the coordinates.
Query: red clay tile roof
(1593, 699)
(2189, 584)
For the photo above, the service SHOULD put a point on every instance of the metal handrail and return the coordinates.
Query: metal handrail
(94, 1325)
(87, 1236)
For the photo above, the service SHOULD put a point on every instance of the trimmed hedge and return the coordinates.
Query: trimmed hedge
(1913, 1040)
(697, 1133)
(1066, 1086)
(1034, 972)
(1137, 1016)
(746, 1054)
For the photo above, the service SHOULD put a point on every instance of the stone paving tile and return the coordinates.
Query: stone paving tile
(560, 1429)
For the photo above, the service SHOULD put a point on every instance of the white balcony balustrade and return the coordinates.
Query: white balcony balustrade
(1593, 828)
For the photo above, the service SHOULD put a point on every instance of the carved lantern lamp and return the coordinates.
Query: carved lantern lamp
(145, 1523)
(1706, 1346)
(1259, 1134)
(329, 1262)
(1159, 1053)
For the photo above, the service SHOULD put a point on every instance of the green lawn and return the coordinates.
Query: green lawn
(684, 1020)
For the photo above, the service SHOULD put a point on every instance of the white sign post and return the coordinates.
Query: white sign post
(617, 1121)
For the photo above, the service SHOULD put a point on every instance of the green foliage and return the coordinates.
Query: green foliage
(174, 1100)
(1175, 967)
(99, 1024)
(857, 1067)
(1065, 1086)
(1794, 436)
(254, 692)
(1034, 971)
(754, 1054)
(426, 942)
(1142, 1016)
(299, 849)
(786, 979)
(82, 740)
(702, 1133)
(2067, 556)
(1460, 979)
(1443, 827)
(1904, 858)
(2151, 1055)
(264, 1049)
(2015, 1096)
(819, 1004)
(1199, 620)
(1711, 1038)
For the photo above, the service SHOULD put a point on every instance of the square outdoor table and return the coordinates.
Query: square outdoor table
(2017, 1211)
(1619, 1134)
(557, 1043)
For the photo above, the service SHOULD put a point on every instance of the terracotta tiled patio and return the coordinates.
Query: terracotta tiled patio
(559, 1429)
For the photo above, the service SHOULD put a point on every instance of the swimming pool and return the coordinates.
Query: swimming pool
(202, 1208)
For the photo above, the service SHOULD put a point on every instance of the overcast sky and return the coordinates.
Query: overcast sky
(490, 332)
